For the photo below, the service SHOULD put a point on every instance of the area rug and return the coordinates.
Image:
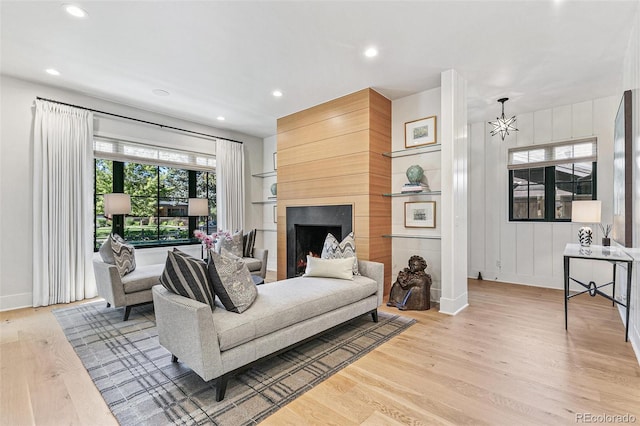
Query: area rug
(142, 386)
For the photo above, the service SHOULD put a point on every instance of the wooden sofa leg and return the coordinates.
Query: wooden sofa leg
(127, 311)
(374, 315)
(221, 386)
(174, 358)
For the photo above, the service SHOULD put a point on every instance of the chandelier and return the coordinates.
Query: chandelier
(503, 125)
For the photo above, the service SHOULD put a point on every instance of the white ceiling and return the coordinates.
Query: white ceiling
(225, 58)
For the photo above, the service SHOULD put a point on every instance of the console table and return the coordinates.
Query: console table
(608, 254)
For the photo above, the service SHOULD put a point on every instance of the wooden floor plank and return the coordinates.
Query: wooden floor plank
(506, 359)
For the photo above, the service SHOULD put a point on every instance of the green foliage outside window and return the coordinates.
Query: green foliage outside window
(159, 200)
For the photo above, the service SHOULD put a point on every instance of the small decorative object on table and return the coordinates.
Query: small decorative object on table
(412, 288)
(606, 230)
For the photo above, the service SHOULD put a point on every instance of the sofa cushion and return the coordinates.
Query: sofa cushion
(143, 278)
(329, 268)
(334, 249)
(187, 276)
(231, 282)
(124, 255)
(283, 303)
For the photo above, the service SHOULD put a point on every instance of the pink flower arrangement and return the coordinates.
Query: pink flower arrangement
(209, 241)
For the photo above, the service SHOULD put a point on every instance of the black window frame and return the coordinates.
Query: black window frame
(549, 192)
(118, 186)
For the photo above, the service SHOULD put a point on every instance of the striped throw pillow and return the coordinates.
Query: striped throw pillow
(248, 241)
(187, 276)
(333, 249)
(124, 256)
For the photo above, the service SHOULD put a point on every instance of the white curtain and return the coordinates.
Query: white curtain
(62, 204)
(230, 185)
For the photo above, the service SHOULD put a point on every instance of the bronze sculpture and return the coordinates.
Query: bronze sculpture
(412, 287)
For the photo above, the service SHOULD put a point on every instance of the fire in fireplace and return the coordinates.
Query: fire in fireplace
(309, 241)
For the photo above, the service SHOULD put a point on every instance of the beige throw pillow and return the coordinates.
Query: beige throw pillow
(329, 268)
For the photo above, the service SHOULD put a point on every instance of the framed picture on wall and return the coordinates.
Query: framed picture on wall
(420, 132)
(420, 214)
(275, 160)
(275, 214)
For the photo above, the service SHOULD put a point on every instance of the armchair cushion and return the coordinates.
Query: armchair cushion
(188, 277)
(248, 241)
(234, 245)
(143, 278)
(106, 252)
(125, 257)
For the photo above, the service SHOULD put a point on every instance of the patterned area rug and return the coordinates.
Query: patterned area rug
(142, 386)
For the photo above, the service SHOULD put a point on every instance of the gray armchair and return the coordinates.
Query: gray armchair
(257, 264)
(131, 290)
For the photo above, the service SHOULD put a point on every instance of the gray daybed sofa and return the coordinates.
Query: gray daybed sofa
(218, 344)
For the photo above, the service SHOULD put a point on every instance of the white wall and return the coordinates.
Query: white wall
(631, 80)
(16, 142)
(525, 252)
(409, 108)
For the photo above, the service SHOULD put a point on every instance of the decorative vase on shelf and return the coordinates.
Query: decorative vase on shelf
(415, 174)
(274, 189)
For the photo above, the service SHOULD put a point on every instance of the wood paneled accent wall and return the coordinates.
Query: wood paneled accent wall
(332, 154)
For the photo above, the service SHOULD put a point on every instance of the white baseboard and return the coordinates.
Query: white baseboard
(16, 301)
(454, 306)
(634, 333)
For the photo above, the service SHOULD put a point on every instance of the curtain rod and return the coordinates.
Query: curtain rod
(162, 126)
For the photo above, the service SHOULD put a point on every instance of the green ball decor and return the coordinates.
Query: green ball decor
(415, 174)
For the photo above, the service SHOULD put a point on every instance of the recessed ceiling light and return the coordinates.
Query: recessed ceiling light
(52, 71)
(75, 11)
(160, 92)
(220, 118)
(371, 52)
(277, 93)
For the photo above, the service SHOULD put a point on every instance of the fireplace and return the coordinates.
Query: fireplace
(308, 226)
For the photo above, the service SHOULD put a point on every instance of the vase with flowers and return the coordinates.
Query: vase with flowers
(209, 241)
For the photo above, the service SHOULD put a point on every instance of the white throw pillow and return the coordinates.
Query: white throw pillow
(329, 268)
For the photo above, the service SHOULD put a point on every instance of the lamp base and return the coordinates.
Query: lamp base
(585, 236)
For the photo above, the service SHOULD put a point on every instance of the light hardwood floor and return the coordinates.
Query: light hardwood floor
(506, 359)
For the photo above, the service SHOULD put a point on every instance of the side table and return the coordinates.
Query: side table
(612, 255)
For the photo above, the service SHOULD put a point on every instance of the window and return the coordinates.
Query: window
(545, 179)
(159, 194)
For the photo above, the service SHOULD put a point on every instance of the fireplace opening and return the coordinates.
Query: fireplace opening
(309, 242)
(307, 228)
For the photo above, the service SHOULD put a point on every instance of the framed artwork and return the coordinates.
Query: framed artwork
(275, 160)
(420, 214)
(275, 214)
(420, 132)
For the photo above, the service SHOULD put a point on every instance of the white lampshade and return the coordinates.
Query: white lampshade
(586, 211)
(117, 203)
(198, 207)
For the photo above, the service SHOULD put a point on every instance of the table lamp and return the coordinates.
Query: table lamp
(585, 212)
(198, 207)
(116, 205)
